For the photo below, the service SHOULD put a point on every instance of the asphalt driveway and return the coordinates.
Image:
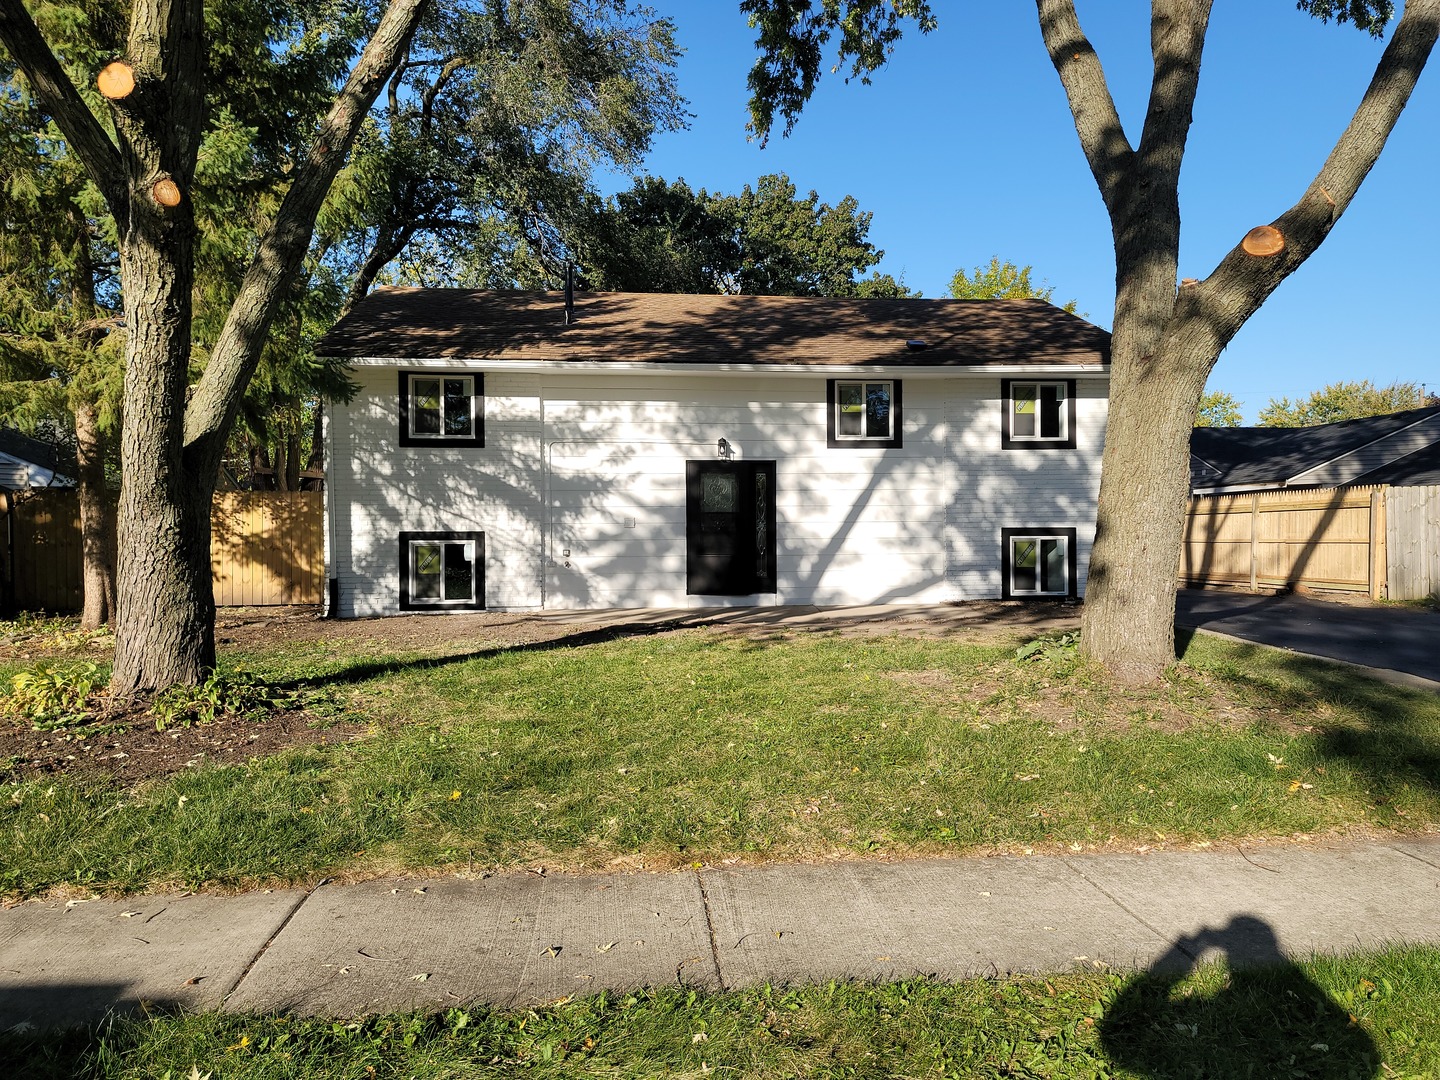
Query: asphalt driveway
(1379, 636)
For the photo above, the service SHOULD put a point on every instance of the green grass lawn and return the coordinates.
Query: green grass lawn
(699, 745)
(1363, 1016)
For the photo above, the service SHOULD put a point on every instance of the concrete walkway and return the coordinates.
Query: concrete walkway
(1381, 637)
(513, 939)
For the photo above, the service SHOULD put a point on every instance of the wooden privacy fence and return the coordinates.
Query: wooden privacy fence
(266, 548)
(1378, 540)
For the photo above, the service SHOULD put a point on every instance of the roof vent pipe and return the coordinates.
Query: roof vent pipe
(569, 293)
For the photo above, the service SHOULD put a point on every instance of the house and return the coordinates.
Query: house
(1352, 506)
(31, 463)
(515, 451)
(1400, 448)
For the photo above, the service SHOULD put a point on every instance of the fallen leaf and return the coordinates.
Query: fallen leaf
(130, 914)
(553, 950)
(194, 981)
(420, 891)
(606, 948)
(421, 977)
(699, 1037)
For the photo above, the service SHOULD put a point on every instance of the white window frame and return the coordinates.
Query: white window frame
(440, 377)
(1038, 536)
(1064, 435)
(894, 418)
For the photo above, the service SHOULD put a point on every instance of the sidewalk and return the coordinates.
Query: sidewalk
(516, 939)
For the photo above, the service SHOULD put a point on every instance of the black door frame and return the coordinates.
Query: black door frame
(755, 572)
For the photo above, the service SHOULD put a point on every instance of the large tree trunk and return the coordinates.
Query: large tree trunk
(1129, 619)
(97, 522)
(165, 629)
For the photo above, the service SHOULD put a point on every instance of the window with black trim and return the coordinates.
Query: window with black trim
(442, 571)
(863, 412)
(1037, 563)
(1038, 414)
(442, 408)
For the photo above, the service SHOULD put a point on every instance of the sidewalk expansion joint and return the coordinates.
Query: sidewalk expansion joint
(710, 930)
(268, 942)
(1120, 904)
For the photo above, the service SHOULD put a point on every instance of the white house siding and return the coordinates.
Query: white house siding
(380, 488)
(1032, 488)
(593, 464)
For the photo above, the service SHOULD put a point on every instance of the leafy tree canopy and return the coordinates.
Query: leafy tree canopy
(1003, 281)
(487, 137)
(663, 236)
(1345, 401)
(1218, 409)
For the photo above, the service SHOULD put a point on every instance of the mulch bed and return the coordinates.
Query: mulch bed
(129, 749)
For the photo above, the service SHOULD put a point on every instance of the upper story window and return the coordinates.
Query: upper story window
(442, 408)
(1038, 414)
(863, 412)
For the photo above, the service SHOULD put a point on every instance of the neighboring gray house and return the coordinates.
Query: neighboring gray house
(641, 450)
(1399, 448)
(31, 463)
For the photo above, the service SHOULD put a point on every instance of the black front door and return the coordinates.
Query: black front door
(729, 527)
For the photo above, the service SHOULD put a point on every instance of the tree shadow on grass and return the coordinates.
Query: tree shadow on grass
(1259, 1016)
(1392, 735)
(364, 670)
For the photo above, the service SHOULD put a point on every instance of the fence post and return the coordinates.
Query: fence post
(1378, 565)
(1254, 542)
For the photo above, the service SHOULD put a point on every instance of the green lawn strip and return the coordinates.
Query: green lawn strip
(700, 745)
(1354, 1016)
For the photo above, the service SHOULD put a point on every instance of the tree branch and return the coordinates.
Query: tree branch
(1102, 136)
(216, 399)
(1177, 40)
(57, 96)
(1215, 309)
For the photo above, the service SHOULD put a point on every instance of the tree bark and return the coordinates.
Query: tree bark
(97, 522)
(292, 461)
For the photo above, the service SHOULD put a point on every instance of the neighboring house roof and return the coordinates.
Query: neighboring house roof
(1399, 447)
(414, 323)
(1419, 468)
(27, 462)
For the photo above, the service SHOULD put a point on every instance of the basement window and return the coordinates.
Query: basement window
(1038, 415)
(442, 408)
(442, 570)
(1037, 563)
(863, 412)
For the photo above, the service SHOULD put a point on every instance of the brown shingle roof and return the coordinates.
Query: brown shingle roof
(416, 324)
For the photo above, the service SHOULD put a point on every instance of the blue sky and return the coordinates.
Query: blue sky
(963, 148)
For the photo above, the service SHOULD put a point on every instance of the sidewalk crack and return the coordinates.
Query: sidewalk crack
(1418, 858)
(268, 942)
(1121, 905)
(710, 930)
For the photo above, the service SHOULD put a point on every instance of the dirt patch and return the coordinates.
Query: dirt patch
(265, 628)
(129, 749)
